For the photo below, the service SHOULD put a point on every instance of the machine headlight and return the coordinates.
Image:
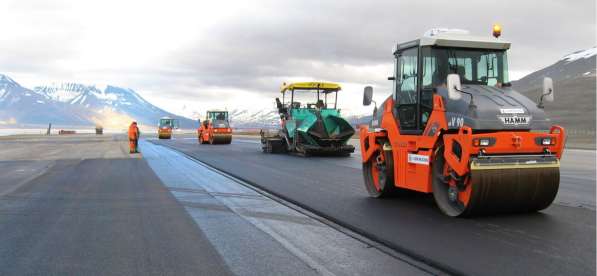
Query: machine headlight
(545, 141)
(483, 142)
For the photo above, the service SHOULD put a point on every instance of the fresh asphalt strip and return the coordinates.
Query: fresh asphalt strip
(258, 233)
(558, 240)
(426, 264)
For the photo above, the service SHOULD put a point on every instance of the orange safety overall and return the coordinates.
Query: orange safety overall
(133, 137)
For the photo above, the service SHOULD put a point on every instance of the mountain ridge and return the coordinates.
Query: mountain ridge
(77, 104)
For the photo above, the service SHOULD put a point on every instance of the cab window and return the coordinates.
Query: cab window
(407, 77)
(407, 88)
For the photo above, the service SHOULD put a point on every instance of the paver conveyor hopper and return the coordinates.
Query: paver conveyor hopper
(310, 128)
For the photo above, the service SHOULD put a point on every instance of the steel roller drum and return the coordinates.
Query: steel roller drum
(222, 139)
(509, 188)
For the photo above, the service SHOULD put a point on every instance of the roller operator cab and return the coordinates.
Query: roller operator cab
(310, 122)
(215, 129)
(454, 127)
(165, 127)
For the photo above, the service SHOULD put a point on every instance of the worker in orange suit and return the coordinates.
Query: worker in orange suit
(133, 138)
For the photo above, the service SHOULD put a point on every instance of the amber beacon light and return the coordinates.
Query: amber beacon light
(497, 30)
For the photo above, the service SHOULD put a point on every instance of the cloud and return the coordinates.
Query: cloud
(223, 52)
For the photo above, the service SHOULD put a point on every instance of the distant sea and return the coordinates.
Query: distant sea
(54, 131)
(21, 131)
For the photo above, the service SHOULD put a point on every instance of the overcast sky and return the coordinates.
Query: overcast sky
(236, 53)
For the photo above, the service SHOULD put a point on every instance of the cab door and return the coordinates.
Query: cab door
(406, 95)
(413, 164)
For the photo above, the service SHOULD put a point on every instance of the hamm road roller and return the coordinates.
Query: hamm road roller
(215, 129)
(165, 127)
(454, 127)
(314, 128)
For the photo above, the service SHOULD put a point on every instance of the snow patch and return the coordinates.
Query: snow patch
(6, 79)
(580, 54)
(105, 96)
(61, 95)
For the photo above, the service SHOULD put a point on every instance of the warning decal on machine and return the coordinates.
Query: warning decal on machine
(418, 159)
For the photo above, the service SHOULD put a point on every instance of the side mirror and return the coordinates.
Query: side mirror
(367, 95)
(454, 85)
(548, 89)
(548, 93)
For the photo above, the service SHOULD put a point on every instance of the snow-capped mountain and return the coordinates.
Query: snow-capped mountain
(575, 66)
(270, 119)
(574, 77)
(19, 105)
(264, 118)
(77, 104)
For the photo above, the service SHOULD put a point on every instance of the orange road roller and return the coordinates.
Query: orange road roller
(166, 127)
(215, 129)
(454, 127)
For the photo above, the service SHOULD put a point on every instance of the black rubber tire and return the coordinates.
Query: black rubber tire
(385, 177)
(266, 146)
(440, 188)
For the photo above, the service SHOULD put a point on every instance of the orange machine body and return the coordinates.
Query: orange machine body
(166, 126)
(454, 127)
(207, 133)
(165, 132)
(215, 129)
(416, 176)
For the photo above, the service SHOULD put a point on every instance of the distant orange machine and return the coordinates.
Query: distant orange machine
(215, 129)
(165, 127)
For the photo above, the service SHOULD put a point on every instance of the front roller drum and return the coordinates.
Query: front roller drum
(164, 136)
(513, 190)
(494, 191)
(220, 139)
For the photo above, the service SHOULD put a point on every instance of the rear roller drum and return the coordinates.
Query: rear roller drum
(379, 175)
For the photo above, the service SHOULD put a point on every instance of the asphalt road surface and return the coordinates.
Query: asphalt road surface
(62, 213)
(82, 205)
(557, 241)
